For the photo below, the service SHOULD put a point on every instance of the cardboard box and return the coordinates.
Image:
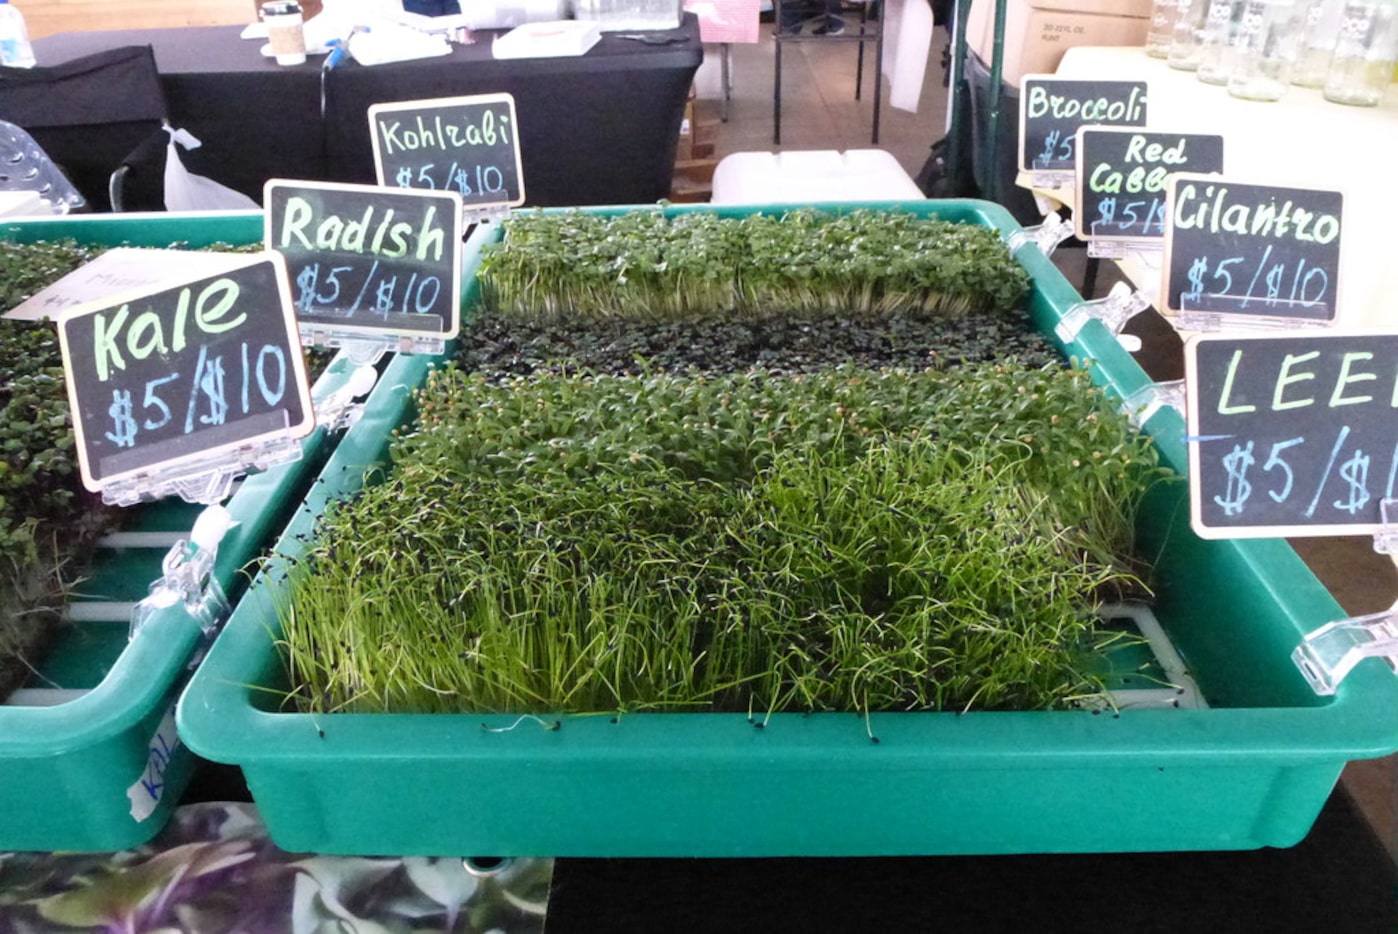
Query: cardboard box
(693, 181)
(698, 130)
(1038, 32)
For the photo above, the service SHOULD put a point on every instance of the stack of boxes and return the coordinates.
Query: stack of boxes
(1038, 32)
(694, 154)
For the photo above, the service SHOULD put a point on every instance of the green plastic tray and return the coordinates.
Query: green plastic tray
(89, 757)
(1253, 769)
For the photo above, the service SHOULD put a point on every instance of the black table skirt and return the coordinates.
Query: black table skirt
(596, 129)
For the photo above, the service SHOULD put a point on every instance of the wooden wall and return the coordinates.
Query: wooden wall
(45, 17)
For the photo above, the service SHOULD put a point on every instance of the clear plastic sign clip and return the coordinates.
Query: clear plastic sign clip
(1046, 236)
(1204, 314)
(369, 350)
(188, 576)
(339, 410)
(205, 479)
(1120, 305)
(1386, 538)
(1045, 179)
(494, 214)
(1327, 655)
(1107, 248)
(1141, 405)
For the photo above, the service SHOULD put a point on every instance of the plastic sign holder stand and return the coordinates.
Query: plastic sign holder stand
(1205, 317)
(369, 350)
(339, 411)
(203, 478)
(1142, 404)
(188, 578)
(1120, 305)
(1052, 179)
(1046, 236)
(1327, 655)
(1108, 248)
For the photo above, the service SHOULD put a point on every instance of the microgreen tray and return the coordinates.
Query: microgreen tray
(1249, 767)
(89, 757)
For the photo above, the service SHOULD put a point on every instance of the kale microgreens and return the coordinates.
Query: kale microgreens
(47, 521)
(44, 517)
(672, 469)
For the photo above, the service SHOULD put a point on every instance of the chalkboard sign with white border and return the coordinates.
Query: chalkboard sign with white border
(1291, 433)
(1250, 250)
(1051, 109)
(185, 372)
(467, 144)
(1122, 174)
(366, 260)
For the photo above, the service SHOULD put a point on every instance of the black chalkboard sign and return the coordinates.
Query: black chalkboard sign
(1291, 433)
(159, 376)
(368, 260)
(1121, 176)
(1051, 110)
(1245, 249)
(468, 145)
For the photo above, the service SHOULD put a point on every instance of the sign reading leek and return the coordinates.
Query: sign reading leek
(1291, 434)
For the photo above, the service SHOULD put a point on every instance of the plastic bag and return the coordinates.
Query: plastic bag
(185, 191)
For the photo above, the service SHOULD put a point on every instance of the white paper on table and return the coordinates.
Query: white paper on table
(905, 57)
(389, 42)
(121, 269)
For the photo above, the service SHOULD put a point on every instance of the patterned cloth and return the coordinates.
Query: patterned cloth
(726, 20)
(214, 870)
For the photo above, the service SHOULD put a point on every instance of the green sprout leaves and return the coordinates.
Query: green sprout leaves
(850, 539)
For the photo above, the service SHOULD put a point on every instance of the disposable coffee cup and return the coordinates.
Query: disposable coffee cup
(284, 31)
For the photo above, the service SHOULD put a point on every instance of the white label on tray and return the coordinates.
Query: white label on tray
(145, 795)
(117, 270)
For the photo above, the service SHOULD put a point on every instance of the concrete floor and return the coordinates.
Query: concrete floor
(819, 112)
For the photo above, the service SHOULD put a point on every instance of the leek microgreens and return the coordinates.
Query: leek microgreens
(645, 266)
(844, 540)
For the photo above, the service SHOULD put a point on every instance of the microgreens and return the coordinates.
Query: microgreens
(850, 539)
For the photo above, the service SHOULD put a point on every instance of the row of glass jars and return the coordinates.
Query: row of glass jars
(1348, 48)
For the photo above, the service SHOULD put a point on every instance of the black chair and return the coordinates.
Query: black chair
(138, 181)
(88, 114)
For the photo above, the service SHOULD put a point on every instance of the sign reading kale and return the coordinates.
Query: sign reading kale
(463, 144)
(369, 260)
(1052, 109)
(1244, 249)
(1291, 433)
(1122, 174)
(185, 371)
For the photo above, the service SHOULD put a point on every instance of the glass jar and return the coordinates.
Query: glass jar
(1366, 52)
(1162, 27)
(1215, 54)
(1265, 49)
(1187, 34)
(1319, 31)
